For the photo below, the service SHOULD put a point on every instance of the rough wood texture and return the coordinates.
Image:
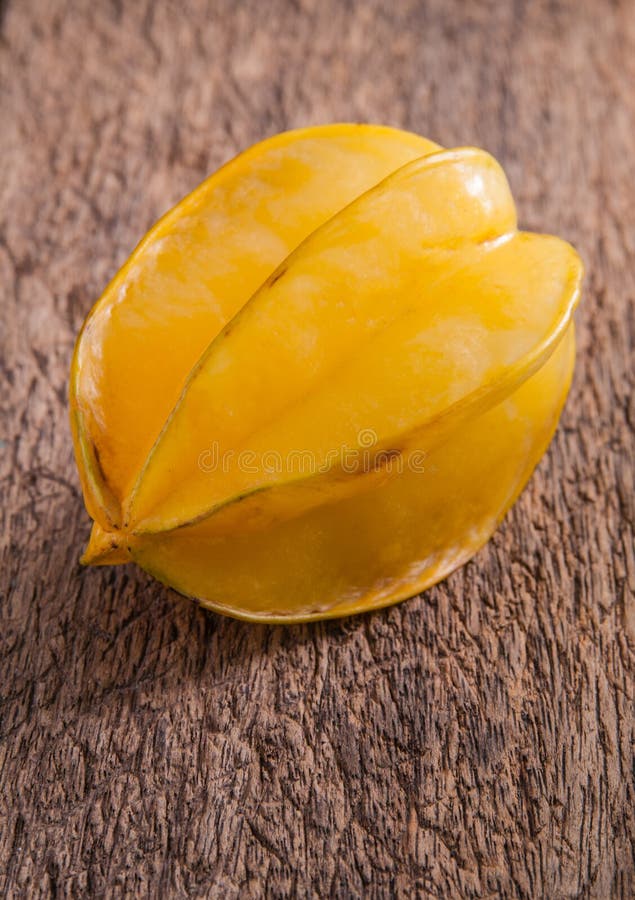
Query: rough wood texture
(476, 741)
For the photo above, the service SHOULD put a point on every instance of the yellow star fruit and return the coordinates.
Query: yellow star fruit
(322, 379)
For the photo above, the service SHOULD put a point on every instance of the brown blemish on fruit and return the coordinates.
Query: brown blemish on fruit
(384, 457)
(278, 275)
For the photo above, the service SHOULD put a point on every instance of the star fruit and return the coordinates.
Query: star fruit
(322, 379)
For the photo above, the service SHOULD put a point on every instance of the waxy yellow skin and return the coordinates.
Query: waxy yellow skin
(323, 378)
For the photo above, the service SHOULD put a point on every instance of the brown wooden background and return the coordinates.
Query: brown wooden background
(474, 742)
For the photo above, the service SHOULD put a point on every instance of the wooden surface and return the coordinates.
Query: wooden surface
(473, 742)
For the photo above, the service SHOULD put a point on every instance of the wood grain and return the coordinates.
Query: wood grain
(476, 741)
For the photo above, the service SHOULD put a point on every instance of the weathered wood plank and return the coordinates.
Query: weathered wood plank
(476, 741)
